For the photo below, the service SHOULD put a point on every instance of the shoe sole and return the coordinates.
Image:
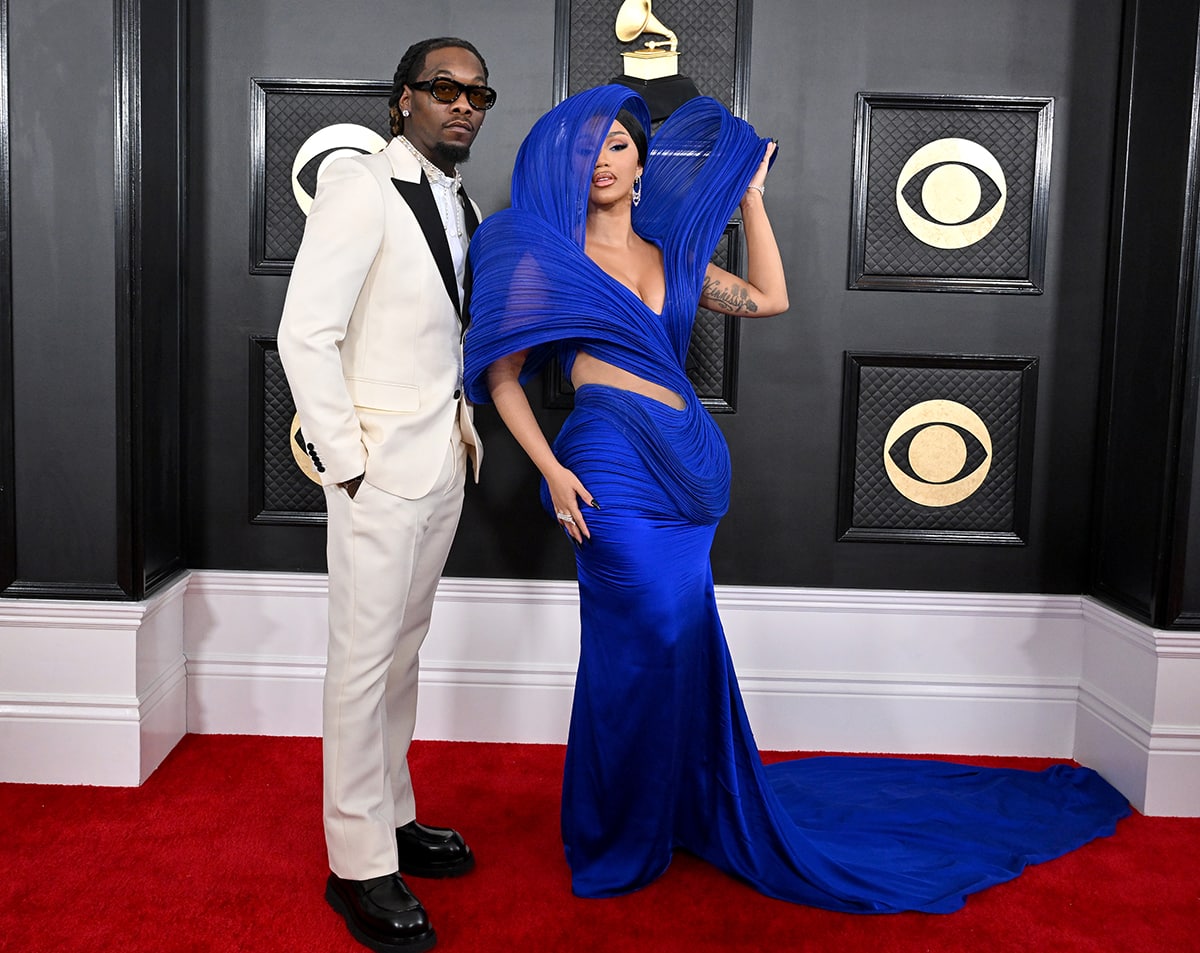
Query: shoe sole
(459, 869)
(418, 944)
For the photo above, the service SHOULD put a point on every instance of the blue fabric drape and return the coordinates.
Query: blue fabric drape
(660, 754)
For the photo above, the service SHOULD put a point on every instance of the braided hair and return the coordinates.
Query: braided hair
(413, 63)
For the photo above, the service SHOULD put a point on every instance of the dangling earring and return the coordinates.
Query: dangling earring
(637, 190)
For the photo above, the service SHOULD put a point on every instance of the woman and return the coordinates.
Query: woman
(601, 261)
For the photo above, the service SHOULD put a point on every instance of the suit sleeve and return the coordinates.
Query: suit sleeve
(341, 239)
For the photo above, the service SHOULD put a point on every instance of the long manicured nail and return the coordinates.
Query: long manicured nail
(592, 503)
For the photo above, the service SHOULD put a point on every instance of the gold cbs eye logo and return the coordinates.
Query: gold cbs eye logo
(951, 193)
(937, 453)
(331, 142)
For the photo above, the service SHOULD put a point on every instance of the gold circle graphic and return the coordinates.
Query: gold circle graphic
(947, 193)
(951, 194)
(937, 453)
(340, 139)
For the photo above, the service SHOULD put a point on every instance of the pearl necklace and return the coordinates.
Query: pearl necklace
(439, 178)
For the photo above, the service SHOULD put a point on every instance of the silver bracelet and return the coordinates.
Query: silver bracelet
(760, 189)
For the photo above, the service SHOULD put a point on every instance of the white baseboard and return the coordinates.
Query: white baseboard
(91, 692)
(1139, 711)
(828, 670)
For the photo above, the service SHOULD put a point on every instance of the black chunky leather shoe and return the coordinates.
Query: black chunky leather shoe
(382, 914)
(432, 851)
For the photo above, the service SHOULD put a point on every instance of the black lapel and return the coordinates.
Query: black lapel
(468, 211)
(472, 222)
(419, 197)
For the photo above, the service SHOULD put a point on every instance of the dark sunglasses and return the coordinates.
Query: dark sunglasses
(447, 91)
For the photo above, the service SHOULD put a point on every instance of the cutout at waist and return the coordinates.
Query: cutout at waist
(591, 370)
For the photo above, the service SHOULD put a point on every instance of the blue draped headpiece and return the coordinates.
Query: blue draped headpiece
(533, 286)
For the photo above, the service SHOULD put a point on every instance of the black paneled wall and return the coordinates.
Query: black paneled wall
(8, 511)
(151, 217)
(1147, 531)
(105, 262)
(97, 276)
(786, 437)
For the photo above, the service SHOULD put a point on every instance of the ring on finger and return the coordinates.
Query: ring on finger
(565, 518)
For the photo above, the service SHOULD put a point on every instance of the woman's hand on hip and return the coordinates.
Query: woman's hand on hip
(570, 497)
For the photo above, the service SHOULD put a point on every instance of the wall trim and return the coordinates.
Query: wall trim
(1133, 728)
(494, 641)
(1139, 710)
(127, 245)
(821, 670)
(91, 692)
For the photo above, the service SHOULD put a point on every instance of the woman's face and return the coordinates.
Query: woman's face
(616, 168)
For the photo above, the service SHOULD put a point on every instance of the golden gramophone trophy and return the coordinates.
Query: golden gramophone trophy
(652, 70)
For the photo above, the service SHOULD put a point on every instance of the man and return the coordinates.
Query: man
(370, 340)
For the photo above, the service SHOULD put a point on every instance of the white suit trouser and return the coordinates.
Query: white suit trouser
(385, 555)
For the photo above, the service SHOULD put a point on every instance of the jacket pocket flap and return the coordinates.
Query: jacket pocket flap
(381, 395)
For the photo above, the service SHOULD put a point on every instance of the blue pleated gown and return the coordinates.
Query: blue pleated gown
(660, 754)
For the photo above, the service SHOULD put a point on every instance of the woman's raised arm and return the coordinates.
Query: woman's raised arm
(764, 290)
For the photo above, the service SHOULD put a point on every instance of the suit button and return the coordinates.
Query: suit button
(320, 468)
(457, 394)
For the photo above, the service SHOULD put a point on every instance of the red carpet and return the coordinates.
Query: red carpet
(221, 850)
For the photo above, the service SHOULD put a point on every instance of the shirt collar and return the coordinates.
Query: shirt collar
(435, 175)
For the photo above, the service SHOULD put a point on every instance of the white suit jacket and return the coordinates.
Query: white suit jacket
(371, 335)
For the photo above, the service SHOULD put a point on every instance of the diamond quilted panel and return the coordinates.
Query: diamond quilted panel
(285, 488)
(886, 392)
(707, 33)
(712, 351)
(890, 248)
(706, 356)
(290, 119)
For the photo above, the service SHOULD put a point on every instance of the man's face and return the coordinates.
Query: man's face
(443, 132)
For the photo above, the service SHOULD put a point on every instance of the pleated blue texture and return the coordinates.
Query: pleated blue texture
(660, 754)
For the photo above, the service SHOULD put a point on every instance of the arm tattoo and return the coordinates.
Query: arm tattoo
(734, 298)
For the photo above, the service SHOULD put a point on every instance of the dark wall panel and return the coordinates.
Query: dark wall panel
(152, 311)
(97, 274)
(8, 511)
(1142, 520)
(805, 72)
(786, 435)
(61, 126)
(1188, 564)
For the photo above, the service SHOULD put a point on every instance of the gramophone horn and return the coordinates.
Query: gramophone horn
(632, 19)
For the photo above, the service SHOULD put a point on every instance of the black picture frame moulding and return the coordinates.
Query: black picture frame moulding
(994, 398)
(284, 113)
(901, 142)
